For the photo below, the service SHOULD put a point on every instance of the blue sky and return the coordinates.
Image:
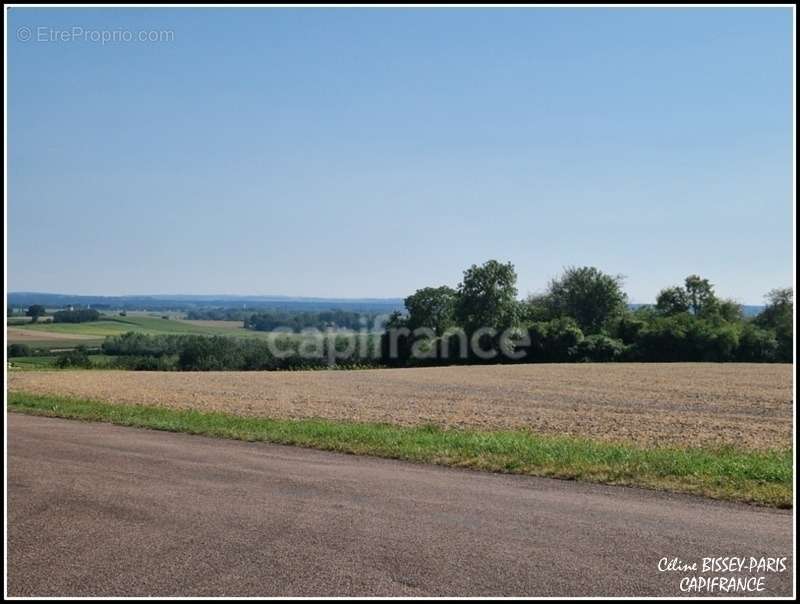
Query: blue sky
(354, 153)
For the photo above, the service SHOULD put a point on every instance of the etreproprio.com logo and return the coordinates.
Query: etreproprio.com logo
(94, 36)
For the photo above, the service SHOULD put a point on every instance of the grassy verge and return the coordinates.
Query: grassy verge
(763, 478)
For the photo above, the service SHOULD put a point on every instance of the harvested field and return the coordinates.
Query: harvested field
(746, 405)
(29, 336)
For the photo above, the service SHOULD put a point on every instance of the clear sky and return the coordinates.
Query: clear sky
(367, 153)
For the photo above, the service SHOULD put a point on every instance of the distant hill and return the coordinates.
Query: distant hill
(189, 301)
(749, 310)
(186, 302)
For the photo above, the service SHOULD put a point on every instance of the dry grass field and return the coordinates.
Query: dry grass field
(28, 336)
(746, 405)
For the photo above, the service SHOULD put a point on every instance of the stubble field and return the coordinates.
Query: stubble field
(748, 406)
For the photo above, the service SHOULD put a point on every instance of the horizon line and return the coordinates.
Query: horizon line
(268, 297)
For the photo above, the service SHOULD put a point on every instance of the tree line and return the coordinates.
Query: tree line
(164, 352)
(289, 320)
(582, 316)
(298, 321)
(82, 315)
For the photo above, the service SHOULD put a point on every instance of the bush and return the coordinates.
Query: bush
(664, 339)
(554, 341)
(219, 353)
(757, 345)
(73, 359)
(139, 344)
(628, 327)
(719, 343)
(685, 337)
(295, 321)
(142, 363)
(210, 354)
(600, 348)
(18, 350)
(76, 316)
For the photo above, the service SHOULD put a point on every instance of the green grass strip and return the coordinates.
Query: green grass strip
(760, 477)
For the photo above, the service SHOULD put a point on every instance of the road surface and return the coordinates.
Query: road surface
(95, 509)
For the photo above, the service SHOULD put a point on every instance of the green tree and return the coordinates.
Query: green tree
(779, 307)
(599, 348)
(696, 297)
(35, 311)
(686, 337)
(487, 297)
(73, 358)
(777, 316)
(76, 316)
(18, 350)
(396, 341)
(536, 308)
(433, 308)
(554, 341)
(589, 296)
(756, 344)
(700, 295)
(396, 320)
(730, 310)
(672, 301)
(630, 324)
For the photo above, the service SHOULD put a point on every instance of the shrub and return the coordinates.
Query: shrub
(76, 316)
(18, 350)
(210, 354)
(628, 327)
(600, 348)
(685, 337)
(757, 345)
(554, 341)
(139, 344)
(73, 359)
(144, 363)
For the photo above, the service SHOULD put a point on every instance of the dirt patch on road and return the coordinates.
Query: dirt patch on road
(747, 405)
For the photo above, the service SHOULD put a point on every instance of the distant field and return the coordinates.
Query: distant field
(79, 333)
(118, 325)
(686, 404)
(45, 338)
(59, 335)
(18, 320)
(26, 320)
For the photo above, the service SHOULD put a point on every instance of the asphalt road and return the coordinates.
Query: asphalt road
(95, 509)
